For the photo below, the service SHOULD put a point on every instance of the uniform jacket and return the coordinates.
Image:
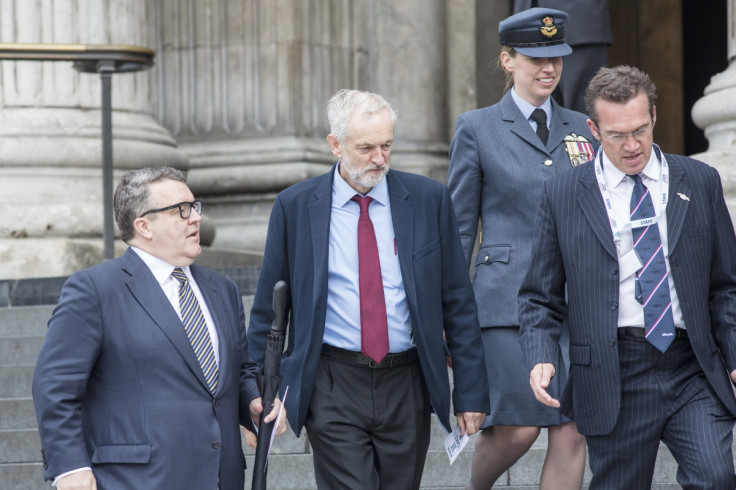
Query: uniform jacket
(497, 167)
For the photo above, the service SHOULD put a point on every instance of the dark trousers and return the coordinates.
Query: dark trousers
(664, 397)
(369, 427)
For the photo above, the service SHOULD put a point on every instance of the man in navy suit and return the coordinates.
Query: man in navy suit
(650, 360)
(367, 413)
(121, 398)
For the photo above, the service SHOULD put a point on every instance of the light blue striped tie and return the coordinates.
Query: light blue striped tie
(196, 329)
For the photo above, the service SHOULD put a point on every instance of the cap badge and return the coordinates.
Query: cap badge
(549, 29)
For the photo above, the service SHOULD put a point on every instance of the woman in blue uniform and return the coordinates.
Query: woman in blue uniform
(499, 158)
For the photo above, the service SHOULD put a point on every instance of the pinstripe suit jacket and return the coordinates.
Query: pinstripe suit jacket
(574, 253)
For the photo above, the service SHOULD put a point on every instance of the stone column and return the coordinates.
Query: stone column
(715, 113)
(50, 133)
(244, 88)
(245, 84)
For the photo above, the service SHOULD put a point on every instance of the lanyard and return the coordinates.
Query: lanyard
(617, 226)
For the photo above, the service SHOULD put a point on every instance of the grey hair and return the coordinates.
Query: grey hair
(132, 194)
(619, 84)
(344, 104)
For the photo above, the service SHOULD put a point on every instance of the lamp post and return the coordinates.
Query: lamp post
(104, 59)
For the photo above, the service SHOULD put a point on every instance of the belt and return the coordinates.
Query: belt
(638, 333)
(359, 359)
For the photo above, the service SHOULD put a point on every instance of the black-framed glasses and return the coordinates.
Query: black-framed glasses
(185, 209)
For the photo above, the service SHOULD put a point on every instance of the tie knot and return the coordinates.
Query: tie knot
(636, 178)
(179, 275)
(539, 116)
(363, 202)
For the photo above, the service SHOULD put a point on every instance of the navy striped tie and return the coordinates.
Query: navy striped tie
(196, 329)
(652, 285)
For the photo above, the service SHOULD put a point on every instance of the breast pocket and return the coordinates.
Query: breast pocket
(427, 249)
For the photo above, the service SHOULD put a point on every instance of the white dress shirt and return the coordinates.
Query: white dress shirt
(620, 187)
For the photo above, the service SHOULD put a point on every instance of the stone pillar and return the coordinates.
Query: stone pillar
(715, 113)
(244, 88)
(50, 133)
(245, 84)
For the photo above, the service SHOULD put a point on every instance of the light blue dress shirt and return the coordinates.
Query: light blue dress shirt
(526, 109)
(342, 321)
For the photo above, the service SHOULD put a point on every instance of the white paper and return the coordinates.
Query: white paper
(454, 443)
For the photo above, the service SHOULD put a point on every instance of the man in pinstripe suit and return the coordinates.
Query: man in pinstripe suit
(627, 391)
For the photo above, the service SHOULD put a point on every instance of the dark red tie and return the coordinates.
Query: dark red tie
(373, 324)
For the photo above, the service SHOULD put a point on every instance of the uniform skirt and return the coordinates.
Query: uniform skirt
(512, 399)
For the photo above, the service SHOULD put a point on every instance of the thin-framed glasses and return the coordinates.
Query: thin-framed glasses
(622, 137)
(185, 209)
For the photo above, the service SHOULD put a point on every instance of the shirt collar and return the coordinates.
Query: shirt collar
(343, 193)
(160, 268)
(526, 108)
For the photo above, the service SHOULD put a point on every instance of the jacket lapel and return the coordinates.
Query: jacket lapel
(402, 217)
(319, 209)
(217, 308)
(518, 124)
(677, 206)
(148, 293)
(591, 204)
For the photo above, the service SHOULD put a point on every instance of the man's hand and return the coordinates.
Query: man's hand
(733, 376)
(539, 379)
(469, 422)
(250, 438)
(81, 480)
(256, 408)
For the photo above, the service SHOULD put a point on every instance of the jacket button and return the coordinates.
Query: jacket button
(611, 341)
(614, 306)
(614, 269)
(216, 444)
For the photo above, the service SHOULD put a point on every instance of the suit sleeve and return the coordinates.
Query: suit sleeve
(68, 354)
(275, 267)
(465, 179)
(461, 320)
(542, 293)
(248, 368)
(722, 296)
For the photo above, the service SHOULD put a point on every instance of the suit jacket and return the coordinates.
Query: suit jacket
(437, 288)
(589, 21)
(496, 174)
(575, 248)
(117, 385)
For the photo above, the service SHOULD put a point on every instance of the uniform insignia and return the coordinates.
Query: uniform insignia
(578, 149)
(549, 29)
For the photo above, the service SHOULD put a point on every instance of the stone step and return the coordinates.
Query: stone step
(24, 476)
(19, 350)
(24, 321)
(15, 381)
(17, 413)
(20, 446)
